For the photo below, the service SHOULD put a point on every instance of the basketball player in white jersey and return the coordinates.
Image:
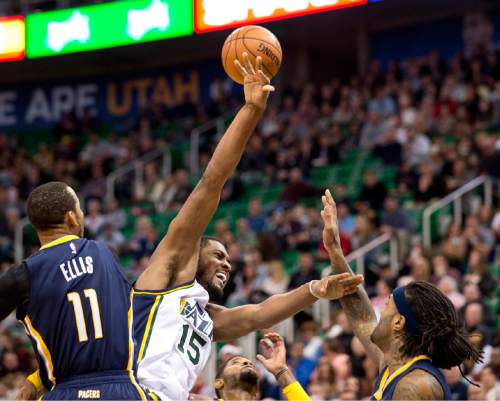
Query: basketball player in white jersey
(175, 323)
(173, 319)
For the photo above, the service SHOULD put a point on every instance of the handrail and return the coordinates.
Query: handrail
(358, 254)
(137, 165)
(455, 197)
(194, 144)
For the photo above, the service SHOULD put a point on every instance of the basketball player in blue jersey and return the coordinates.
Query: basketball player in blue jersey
(419, 331)
(175, 323)
(74, 303)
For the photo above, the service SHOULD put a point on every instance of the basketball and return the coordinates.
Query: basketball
(256, 41)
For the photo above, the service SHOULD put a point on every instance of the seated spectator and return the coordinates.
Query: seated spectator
(246, 284)
(394, 217)
(454, 247)
(474, 314)
(373, 129)
(389, 149)
(428, 185)
(490, 381)
(322, 381)
(448, 286)
(305, 272)
(478, 237)
(256, 218)
(151, 187)
(180, 191)
(115, 215)
(297, 188)
(346, 219)
(313, 344)
(245, 237)
(373, 192)
(471, 292)
(277, 280)
(112, 237)
(383, 291)
(417, 146)
(95, 186)
(302, 366)
(478, 274)
(324, 152)
(419, 271)
(458, 385)
(94, 220)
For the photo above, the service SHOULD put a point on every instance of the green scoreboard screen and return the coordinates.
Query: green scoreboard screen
(106, 25)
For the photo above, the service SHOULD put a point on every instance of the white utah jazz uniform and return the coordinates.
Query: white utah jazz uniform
(174, 334)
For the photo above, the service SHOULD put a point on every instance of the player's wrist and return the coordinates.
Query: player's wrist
(255, 108)
(313, 288)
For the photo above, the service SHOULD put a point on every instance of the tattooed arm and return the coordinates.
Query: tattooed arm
(357, 306)
(418, 385)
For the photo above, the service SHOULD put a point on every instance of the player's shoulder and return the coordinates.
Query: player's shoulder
(418, 385)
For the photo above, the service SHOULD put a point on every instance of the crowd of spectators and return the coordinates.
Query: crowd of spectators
(435, 121)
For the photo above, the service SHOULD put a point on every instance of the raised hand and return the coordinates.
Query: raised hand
(336, 286)
(256, 84)
(275, 354)
(331, 233)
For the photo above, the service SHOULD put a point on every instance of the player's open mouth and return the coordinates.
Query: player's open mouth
(222, 277)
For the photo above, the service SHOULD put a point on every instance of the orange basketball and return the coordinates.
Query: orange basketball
(256, 41)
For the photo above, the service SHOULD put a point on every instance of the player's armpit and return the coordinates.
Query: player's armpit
(418, 385)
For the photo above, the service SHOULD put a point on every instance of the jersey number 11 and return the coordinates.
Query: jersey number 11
(81, 326)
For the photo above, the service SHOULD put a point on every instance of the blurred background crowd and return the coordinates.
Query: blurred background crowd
(387, 143)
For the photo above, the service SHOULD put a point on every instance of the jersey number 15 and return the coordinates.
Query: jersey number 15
(195, 341)
(81, 326)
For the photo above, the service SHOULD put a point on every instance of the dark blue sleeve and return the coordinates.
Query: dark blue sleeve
(14, 289)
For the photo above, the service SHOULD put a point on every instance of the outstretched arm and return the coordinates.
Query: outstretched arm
(175, 259)
(232, 323)
(357, 306)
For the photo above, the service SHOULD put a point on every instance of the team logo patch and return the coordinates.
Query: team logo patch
(197, 316)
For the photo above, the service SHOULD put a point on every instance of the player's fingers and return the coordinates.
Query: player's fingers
(273, 336)
(351, 280)
(258, 63)
(268, 88)
(247, 63)
(323, 288)
(263, 76)
(266, 348)
(341, 277)
(350, 290)
(240, 68)
(331, 201)
(261, 359)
